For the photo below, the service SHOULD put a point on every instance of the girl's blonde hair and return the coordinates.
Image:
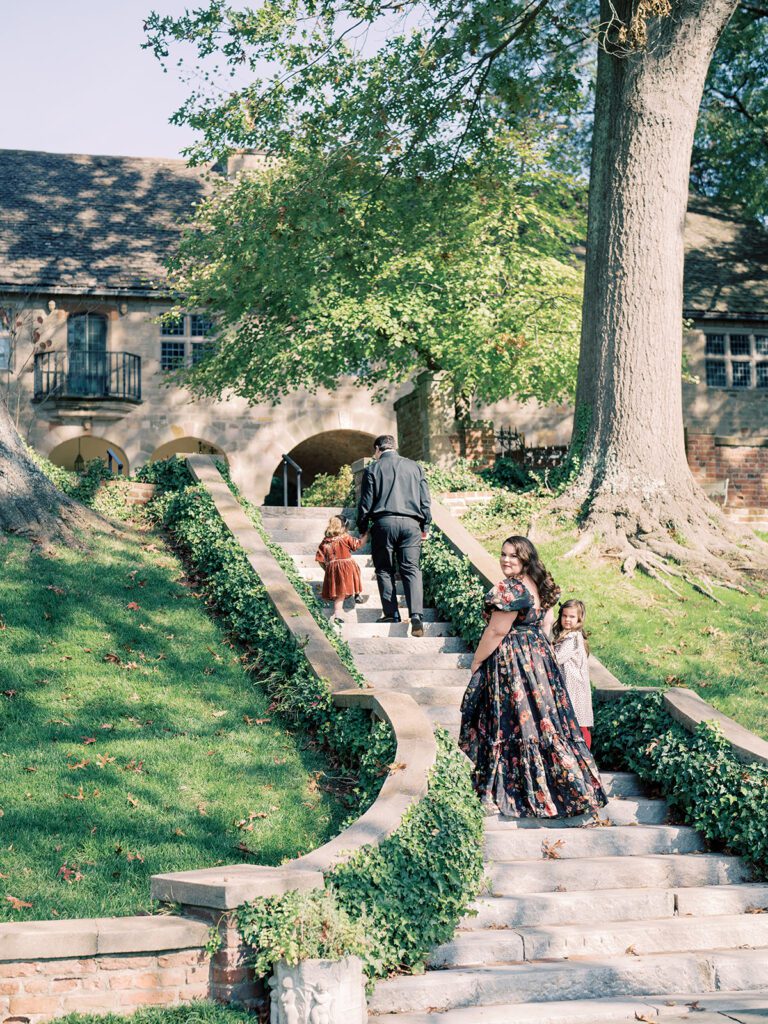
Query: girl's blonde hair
(337, 525)
(558, 633)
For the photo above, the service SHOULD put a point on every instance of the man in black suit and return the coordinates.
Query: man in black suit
(395, 498)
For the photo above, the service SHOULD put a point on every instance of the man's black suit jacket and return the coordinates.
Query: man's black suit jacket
(394, 486)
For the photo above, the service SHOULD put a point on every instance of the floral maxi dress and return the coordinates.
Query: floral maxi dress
(518, 726)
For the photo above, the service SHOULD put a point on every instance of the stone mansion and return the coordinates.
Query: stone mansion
(85, 358)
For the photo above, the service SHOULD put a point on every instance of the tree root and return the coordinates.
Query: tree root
(670, 537)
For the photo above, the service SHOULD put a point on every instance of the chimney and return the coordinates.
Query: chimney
(241, 161)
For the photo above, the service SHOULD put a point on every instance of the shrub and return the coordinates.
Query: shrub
(328, 491)
(706, 786)
(301, 926)
(462, 476)
(508, 474)
(169, 474)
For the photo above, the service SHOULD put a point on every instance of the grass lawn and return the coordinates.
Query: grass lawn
(648, 637)
(193, 1013)
(132, 741)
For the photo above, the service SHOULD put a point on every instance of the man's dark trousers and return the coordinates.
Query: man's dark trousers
(400, 537)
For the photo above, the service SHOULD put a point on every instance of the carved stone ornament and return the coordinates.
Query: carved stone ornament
(318, 992)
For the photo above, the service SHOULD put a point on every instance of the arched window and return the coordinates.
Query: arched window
(87, 347)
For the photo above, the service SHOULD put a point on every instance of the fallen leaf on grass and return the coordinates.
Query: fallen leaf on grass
(70, 874)
(114, 659)
(201, 810)
(30, 768)
(79, 764)
(134, 766)
(133, 606)
(56, 590)
(255, 721)
(104, 760)
(16, 903)
(9, 693)
(132, 800)
(179, 832)
(218, 714)
(134, 856)
(246, 824)
(87, 740)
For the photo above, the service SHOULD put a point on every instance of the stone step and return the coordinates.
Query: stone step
(395, 646)
(371, 610)
(419, 678)
(606, 939)
(353, 630)
(677, 1008)
(426, 696)
(445, 716)
(403, 658)
(620, 976)
(652, 871)
(547, 908)
(279, 512)
(629, 811)
(505, 844)
(622, 784)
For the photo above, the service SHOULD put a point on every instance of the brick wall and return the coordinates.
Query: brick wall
(43, 989)
(743, 463)
(97, 965)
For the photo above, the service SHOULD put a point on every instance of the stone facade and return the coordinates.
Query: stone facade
(252, 438)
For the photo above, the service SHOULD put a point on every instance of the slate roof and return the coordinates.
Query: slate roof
(71, 223)
(726, 263)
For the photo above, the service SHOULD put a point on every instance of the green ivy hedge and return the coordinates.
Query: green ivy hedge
(452, 587)
(706, 786)
(234, 591)
(410, 891)
(406, 895)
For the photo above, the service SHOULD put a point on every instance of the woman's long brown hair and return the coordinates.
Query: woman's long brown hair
(532, 564)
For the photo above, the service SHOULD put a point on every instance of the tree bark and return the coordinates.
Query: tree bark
(634, 482)
(30, 505)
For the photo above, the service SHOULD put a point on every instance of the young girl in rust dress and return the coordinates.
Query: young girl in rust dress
(342, 574)
(518, 726)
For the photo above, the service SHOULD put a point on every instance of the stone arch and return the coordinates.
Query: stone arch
(90, 447)
(187, 445)
(322, 453)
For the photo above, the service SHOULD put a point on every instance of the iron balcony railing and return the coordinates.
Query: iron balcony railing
(115, 375)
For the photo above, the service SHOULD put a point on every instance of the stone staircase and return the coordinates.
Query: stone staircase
(628, 918)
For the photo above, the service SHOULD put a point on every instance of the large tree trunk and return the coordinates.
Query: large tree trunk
(634, 481)
(29, 503)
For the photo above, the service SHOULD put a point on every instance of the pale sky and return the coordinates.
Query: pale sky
(73, 79)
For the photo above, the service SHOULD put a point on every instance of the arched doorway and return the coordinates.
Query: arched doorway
(87, 448)
(323, 453)
(186, 446)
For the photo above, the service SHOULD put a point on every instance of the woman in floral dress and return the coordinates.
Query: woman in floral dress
(517, 723)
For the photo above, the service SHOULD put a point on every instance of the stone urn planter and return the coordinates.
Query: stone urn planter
(318, 992)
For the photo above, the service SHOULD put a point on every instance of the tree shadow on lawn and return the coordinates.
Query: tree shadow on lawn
(143, 764)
